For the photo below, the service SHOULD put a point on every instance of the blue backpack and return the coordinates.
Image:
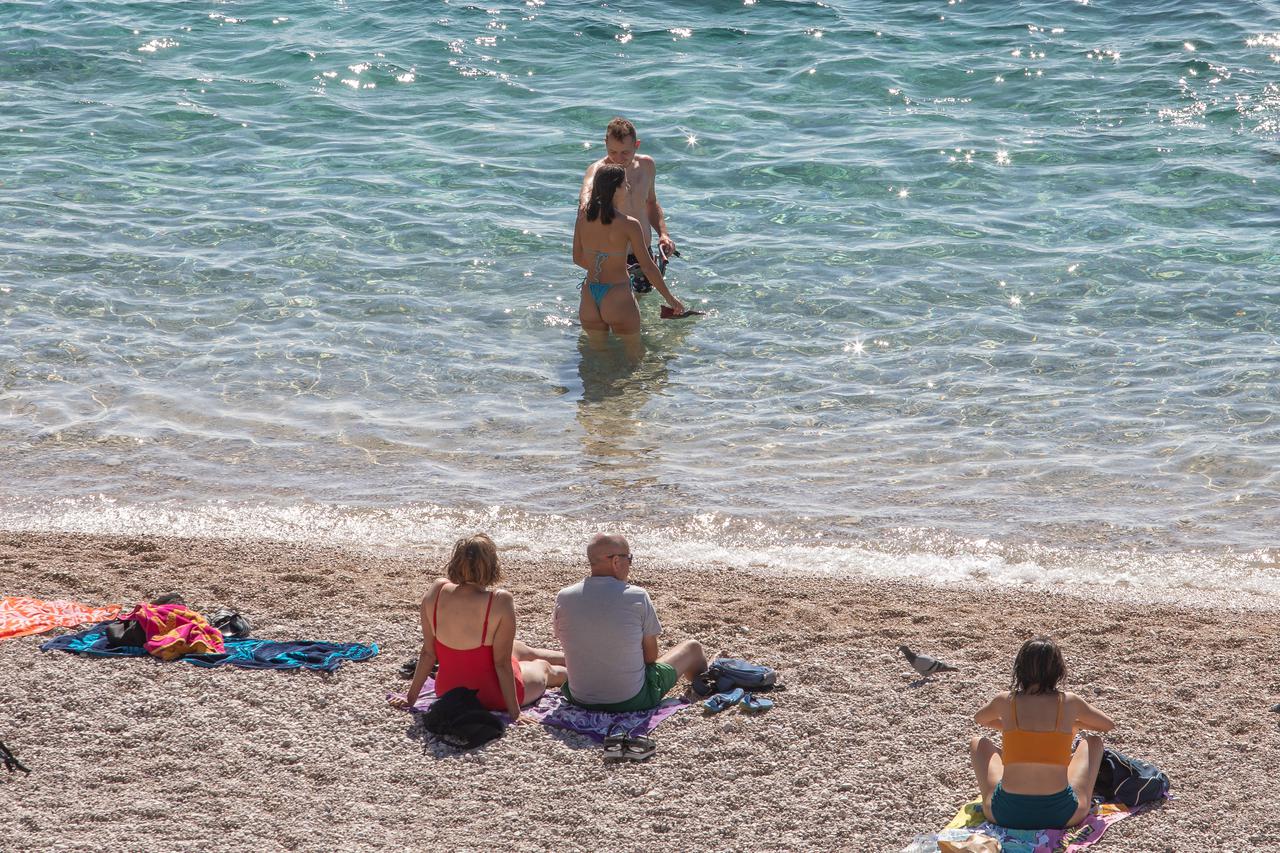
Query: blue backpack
(725, 674)
(1130, 781)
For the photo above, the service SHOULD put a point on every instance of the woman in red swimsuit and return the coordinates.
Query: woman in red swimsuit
(471, 630)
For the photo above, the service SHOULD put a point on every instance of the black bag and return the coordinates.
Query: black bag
(727, 673)
(1130, 781)
(126, 632)
(458, 719)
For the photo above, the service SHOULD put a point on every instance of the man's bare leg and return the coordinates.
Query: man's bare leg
(687, 658)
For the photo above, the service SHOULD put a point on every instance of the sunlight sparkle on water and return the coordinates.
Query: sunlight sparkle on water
(855, 347)
(1002, 157)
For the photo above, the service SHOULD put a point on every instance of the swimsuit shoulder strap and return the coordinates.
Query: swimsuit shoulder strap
(435, 608)
(484, 632)
(1013, 700)
(1061, 698)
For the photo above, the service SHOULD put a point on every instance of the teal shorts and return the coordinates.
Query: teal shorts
(658, 679)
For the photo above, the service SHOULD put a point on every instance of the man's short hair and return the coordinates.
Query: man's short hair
(600, 543)
(620, 129)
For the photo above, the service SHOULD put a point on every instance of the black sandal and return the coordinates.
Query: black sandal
(11, 762)
(615, 746)
(639, 748)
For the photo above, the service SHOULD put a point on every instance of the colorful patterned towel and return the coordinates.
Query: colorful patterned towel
(240, 652)
(554, 710)
(174, 630)
(21, 616)
(1076, 838)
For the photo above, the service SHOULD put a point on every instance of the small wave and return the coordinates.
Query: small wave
(1249, 580)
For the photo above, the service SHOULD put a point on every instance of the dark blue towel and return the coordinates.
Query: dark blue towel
(243, 652)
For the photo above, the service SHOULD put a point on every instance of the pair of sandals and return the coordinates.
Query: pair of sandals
(737, 696)
(625, 747)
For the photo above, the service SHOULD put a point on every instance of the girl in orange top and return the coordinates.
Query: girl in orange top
(1036, 781)
(469, 627)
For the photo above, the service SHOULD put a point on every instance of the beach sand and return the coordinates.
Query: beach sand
(133, 753)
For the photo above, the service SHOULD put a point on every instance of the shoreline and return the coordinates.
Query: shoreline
(854, 757)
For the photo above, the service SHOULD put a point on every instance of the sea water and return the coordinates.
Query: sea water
(992, 289)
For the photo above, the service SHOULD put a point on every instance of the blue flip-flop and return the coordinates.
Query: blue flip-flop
(720, 701)
(752, 702)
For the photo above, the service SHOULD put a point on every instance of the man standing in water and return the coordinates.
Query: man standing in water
(636, 197)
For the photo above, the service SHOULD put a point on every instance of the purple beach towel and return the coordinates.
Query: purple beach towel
(554, 710)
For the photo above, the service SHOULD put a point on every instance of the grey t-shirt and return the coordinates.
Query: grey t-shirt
(600, 624)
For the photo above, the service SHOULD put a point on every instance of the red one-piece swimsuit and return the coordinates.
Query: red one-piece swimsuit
(473, 668)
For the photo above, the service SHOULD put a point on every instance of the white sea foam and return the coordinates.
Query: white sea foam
(1225, 579)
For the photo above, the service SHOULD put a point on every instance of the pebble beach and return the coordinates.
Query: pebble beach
(856, 755)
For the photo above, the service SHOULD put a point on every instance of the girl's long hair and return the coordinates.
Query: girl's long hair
(603, 186)
(1039, 667)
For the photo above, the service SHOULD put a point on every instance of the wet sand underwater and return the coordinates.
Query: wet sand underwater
(855, 756)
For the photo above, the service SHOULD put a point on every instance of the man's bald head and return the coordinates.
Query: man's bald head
(608, 554)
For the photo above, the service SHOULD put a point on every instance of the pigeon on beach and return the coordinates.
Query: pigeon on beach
(924, 664)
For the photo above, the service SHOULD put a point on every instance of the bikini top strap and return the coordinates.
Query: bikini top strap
(1061, 697)
(1013, 700)
(484, 632)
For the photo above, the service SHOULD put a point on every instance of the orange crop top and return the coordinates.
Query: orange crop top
(1027, 747)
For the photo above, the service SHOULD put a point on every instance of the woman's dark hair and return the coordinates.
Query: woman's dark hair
(603, 186)
(474, 560)
(1039, 667)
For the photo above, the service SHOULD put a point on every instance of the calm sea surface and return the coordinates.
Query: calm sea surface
(993, 289)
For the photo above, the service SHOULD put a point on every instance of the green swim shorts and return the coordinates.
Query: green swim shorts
(658, 679)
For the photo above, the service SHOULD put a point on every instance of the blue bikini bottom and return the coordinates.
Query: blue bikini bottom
(1029, 811)
(598, 290)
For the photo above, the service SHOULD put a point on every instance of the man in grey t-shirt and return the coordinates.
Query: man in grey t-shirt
(609, 632)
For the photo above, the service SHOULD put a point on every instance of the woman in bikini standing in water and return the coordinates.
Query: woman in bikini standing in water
(602, 239)
(1036, 781)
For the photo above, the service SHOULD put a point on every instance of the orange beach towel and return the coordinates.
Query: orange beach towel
(21, 616)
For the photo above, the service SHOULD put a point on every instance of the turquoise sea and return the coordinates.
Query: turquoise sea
(993, 289)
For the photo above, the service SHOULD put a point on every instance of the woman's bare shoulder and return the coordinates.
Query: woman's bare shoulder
(434, 589)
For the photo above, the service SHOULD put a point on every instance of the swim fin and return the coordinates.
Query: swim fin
(667, 313)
